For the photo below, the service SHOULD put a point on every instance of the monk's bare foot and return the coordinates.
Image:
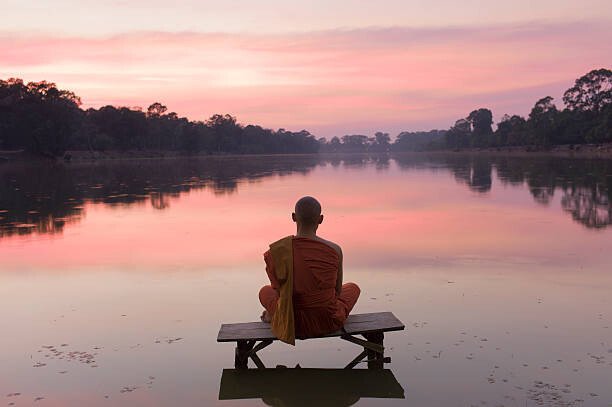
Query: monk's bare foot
(265, 317)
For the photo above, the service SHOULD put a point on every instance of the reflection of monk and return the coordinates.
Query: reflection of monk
(319, 300)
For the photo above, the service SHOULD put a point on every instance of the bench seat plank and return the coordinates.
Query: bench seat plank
(355, 324)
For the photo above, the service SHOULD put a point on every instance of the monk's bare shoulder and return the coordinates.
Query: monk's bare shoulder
(331, 244)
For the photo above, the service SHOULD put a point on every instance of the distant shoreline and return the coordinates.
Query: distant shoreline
(94, 156)
(603, 151)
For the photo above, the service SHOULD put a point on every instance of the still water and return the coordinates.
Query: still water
(115, 277)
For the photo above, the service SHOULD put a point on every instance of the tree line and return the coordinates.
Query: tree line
(41, 118)
(586, 118)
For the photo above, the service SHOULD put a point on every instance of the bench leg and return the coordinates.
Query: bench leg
(357, 359)
(375, 359)
(246, 350)
(241, 358)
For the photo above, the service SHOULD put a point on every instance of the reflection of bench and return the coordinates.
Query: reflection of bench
(309, 387)
(371, 326)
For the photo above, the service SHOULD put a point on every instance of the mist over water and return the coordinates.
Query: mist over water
(115, 276)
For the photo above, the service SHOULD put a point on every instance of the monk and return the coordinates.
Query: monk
(308, 291)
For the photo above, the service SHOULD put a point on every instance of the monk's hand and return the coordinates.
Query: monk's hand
(265, 317)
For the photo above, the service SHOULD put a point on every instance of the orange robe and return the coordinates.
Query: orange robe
(283, 323)
(317, 309)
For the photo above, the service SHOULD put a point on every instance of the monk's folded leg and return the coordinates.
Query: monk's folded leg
(349, 295)
(268, 297)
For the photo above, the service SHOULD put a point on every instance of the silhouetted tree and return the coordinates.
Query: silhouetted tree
(43, 119)
(511, 131)
(355, 143)
(381, 142)
(37, 116)
(458, 136)
(156, 110)
(586, 119)
(591, 92)
(542, 120)
(481, 121)
(419, 140)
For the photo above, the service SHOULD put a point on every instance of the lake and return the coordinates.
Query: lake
(115, 276)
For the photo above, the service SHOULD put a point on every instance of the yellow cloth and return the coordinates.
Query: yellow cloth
(283, 323)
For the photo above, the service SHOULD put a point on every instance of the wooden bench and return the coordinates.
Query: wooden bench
(251, 337)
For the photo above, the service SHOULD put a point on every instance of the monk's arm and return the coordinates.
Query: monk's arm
(339, 279)
(270, 270)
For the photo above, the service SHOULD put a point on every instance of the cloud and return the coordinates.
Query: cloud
(393, 78)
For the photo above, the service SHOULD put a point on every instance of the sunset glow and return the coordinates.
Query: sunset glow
(333, 71)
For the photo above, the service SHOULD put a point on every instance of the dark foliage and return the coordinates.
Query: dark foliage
(42, 119)
(587, 118)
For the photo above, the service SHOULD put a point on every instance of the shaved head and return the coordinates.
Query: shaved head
(308, 211)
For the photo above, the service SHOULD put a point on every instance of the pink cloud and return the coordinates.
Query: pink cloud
(331, 82)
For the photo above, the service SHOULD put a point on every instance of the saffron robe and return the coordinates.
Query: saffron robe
(316, 308)
(283, 325)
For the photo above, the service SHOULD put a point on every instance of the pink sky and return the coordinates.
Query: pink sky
(399, 69)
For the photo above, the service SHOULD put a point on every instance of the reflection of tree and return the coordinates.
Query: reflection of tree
(461, 170)
(542, 195)
(381, 162)
(356, 160)
(159, 200)
(481, 176)
(43, 198)
(542, 184)
(586, 184)
(589, 206)
(36, 200)
(508, 173)
(475, 172)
